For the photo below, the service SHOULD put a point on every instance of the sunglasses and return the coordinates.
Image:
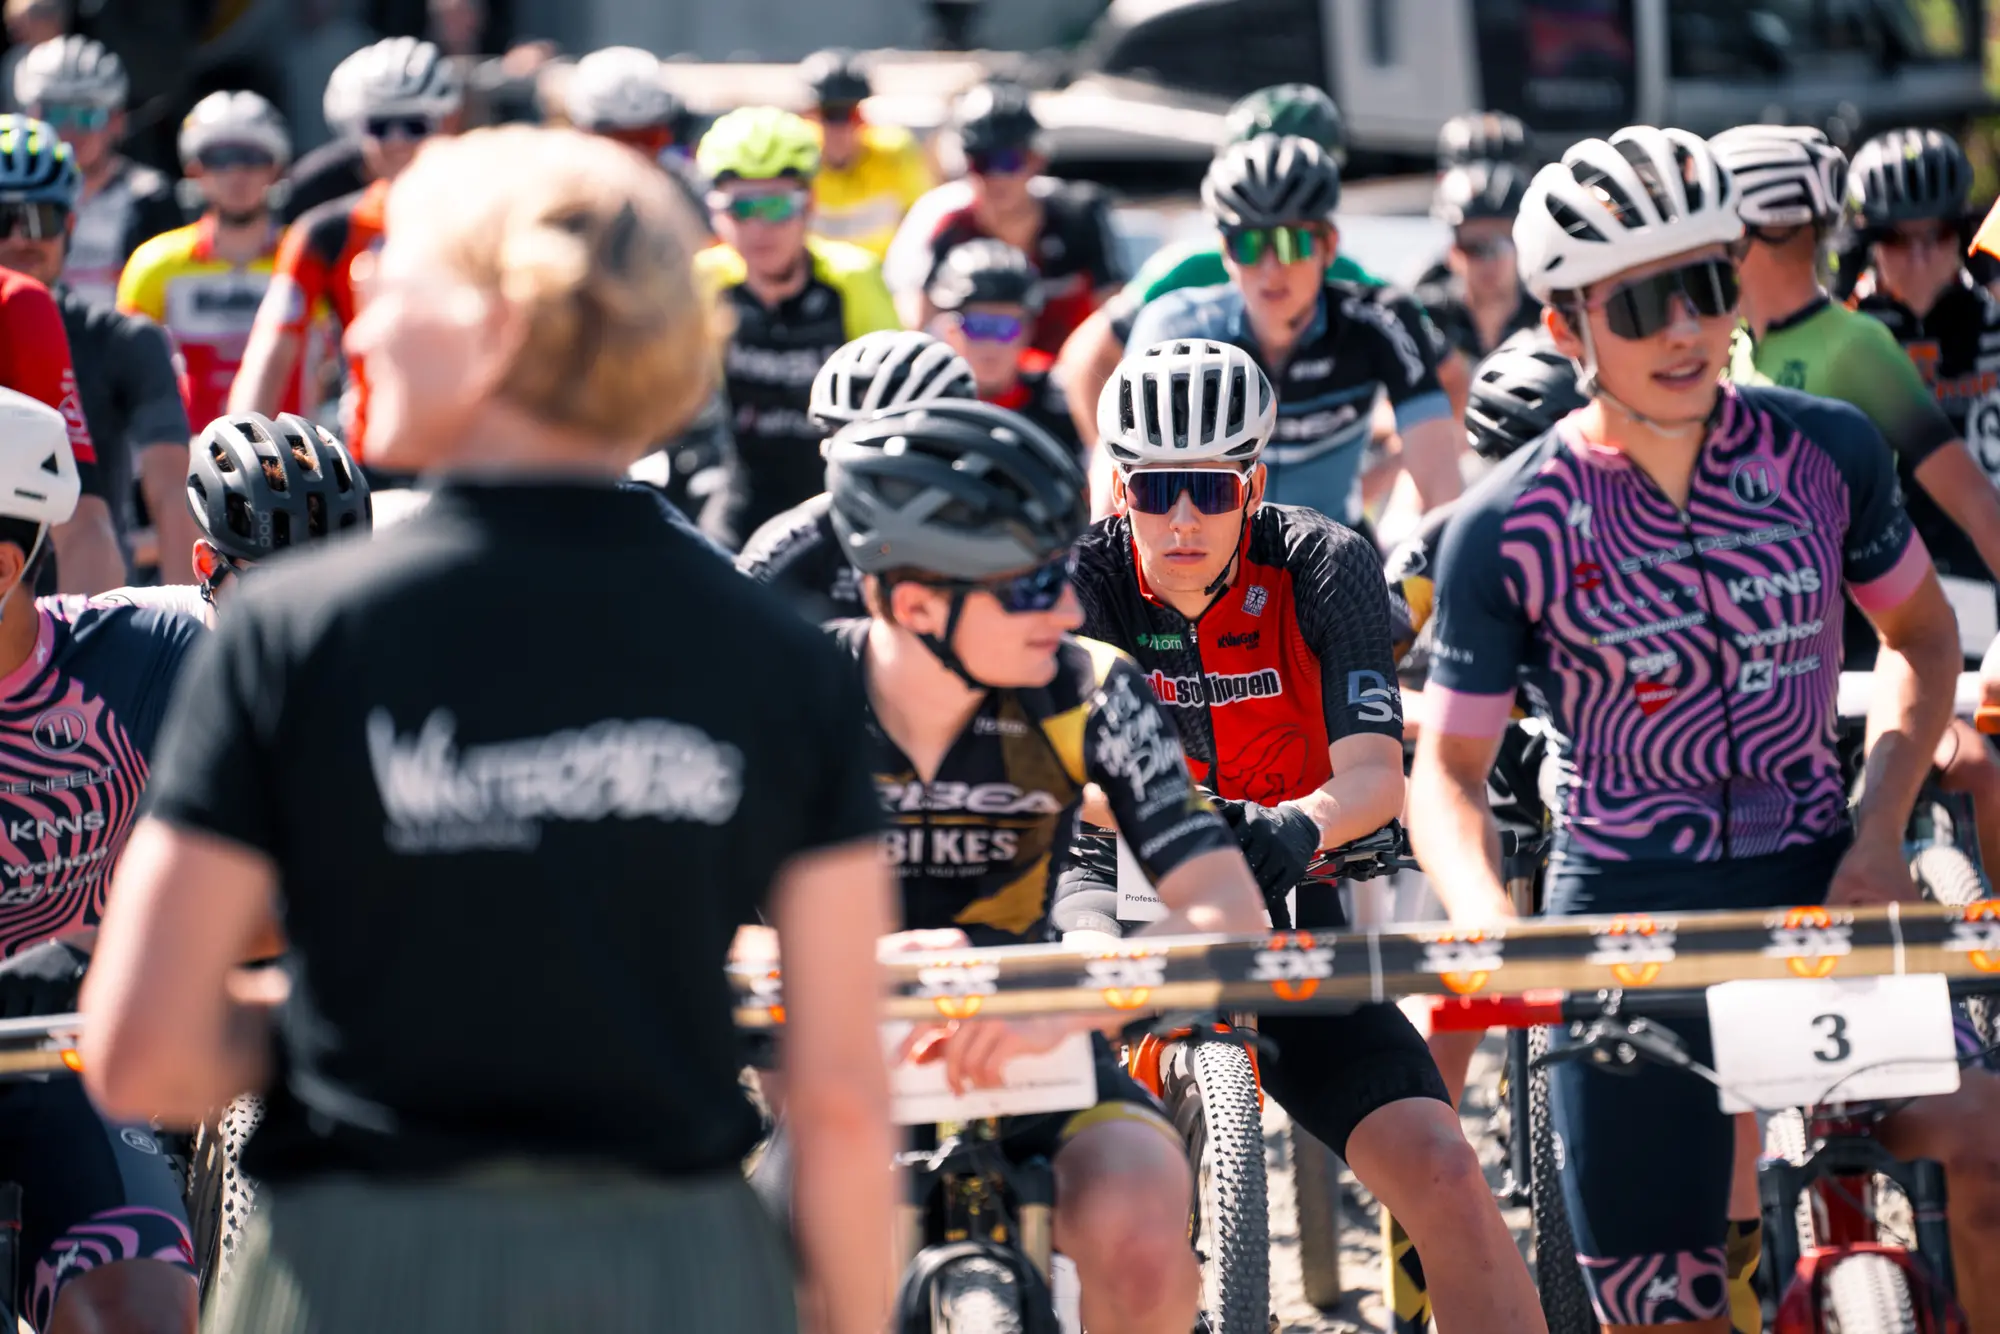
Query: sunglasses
(785, 206)
(997, 162)
(75, 116)
(1040, 589)
(244, 157)
(1942, 232)
(1493, 247)
(1771, 236)
(1642, 308)
(840, 113)
(400, 127)
(1290, 244)
(983, 326)
(1211, 490)
(38, 221)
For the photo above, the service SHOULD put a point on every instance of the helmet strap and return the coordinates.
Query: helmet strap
(940, 646)
(27, 568)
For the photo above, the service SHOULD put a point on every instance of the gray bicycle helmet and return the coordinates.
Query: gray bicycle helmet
(1907, 176)
(1480, 190)
(1522, 389)
(1271, 180)
(1484, 136)
(984, 270)
(258, 485)
(884, 371)
(959, 490)
(71, 69)
(836, 77)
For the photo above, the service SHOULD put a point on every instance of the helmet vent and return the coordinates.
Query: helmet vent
(1572, 222)
(281, 529)
(238, 510)
(315, 515)
(1609, 192)
(1648, 173)
(274, 472)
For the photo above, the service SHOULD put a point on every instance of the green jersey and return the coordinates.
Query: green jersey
(1197, 264)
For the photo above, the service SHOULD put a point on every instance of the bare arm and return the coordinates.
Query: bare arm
(1961, 488)
(163, 477)
(1916, 675)
(1430, 455)
(1455, 378)
(88, 558)
(163, 1038)
(268, 361)
(1210, 892)
(1452, 829)
(1365, 792)
(831, 908)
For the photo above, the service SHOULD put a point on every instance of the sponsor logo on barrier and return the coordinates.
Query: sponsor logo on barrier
(767, 989)
(1811, 941)
(1293, 964)
(1977, 937)
(960, 987)
(1634, 948)
(1125, 978)
(1463, 962)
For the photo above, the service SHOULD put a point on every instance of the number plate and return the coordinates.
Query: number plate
(1062, 1079)
(1978, 618)
(1788, 1043)
(1136, 900)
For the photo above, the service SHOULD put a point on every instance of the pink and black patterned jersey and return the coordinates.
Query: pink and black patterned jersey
(77, 724)
(1688, 660)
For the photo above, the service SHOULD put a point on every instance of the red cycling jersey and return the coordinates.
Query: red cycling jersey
(34, 357)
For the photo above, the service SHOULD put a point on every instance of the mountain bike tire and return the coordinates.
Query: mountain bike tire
(977, 1295)
(1869, 1294)
(1559, 1281)
(1946, 875)
(1211, 1094)
(219, 1198)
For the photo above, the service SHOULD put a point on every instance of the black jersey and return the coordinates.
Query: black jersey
(798, 553)
(973, 847)
(1444, 306)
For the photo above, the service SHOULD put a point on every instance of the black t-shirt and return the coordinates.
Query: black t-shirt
(509, 870)
(130, 391)
(329, 172)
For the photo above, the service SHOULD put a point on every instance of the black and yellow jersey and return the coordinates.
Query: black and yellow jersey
(771, 359)
(972, 847)
(1412, 570)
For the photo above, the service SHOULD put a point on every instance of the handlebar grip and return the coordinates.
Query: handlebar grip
(1987, 719)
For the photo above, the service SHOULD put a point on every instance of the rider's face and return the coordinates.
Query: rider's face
(1184, 550)
(1670, 375)
(1482, 253)
(1003, 649)
(763, 221)
(1277, 291)
(235, 192)
(1918, 260)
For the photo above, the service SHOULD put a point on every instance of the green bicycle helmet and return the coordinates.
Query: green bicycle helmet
(1289, 108)
(759, 144)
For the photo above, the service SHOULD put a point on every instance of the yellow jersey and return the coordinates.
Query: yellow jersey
(863, 202)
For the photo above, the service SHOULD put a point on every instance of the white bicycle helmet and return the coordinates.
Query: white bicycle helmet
(619, 88)
(1786, 175)
(395, 76)
(71, 69)
(889, 369)
(38, 477)
(1186, 401)
(234, 118)
(1612, 205)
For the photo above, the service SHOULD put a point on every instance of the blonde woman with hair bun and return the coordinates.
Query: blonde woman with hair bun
(511, 774)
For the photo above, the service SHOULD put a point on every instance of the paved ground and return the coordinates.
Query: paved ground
(1361, 1255)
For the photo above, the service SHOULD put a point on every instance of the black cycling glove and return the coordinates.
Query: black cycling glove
(1279, 842)
(42, 980)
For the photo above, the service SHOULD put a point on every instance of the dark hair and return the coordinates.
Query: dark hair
(23, 533)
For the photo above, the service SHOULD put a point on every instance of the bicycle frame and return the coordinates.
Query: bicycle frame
(967, 1190)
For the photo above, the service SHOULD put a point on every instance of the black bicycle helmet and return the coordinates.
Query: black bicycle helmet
(836, 78)
(1907, 175)
(1480, 190)
(1270, 180)
(1522, 389)
(984, 270)
(258, 485)
(994, 116)
(959, 490)
(1484, 136)
(1289, 108)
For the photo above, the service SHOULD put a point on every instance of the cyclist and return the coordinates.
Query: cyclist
(988, 298)
(104, 1237)
(126, 381)
(1479, 302)
(960, 518)
(1333, 346)
(394, 96)
(869, 175)
(1473, 138)
(621, 93)
(797, 552)
(1264, 631)
(795, 299)
(1689, 695)
(1063, 226)
(79, 86)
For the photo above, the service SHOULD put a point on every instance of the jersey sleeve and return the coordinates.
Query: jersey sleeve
(1132, 751)
(299, 281)
(1480, 633)
(906, 267)
(868, 306)
(155, 412)
(796, 554)
(142, 286)
(1345, 618)
(1876, 375)
(1408, 360)
(37, 347)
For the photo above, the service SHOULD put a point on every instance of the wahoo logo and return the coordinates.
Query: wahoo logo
(1759, 588)
(1215, 688)
(1777, 635)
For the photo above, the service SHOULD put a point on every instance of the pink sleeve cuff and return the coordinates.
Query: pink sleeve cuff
(1462, 713)
(1892, 588)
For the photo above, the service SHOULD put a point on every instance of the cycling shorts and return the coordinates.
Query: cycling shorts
(1119, 1098)
(92, 1192)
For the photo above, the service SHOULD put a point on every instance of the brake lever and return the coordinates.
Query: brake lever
(1618, 1046)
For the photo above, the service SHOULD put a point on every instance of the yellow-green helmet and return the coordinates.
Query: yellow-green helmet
(759, 144)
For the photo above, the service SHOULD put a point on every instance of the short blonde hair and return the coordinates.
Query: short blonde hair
(594, 245)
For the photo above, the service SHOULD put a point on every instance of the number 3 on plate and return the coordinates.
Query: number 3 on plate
(1799, 1042)
(1837, 1047)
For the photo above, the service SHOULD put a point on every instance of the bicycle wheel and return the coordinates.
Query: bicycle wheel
(1869, 1294)
(1565, 1299)
(1316, 1180)
(218, 1196)
(977, 1296)
(1211, 1094)
(1946, 875)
